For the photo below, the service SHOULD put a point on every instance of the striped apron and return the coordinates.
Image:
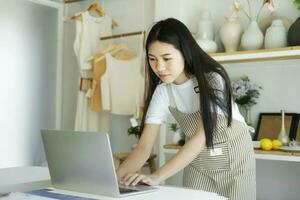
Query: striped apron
(228, 169)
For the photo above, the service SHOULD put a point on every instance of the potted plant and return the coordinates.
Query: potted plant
(134, 130)
(177, 137)
(245, 94)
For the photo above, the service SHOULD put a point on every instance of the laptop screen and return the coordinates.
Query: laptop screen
(80, 161)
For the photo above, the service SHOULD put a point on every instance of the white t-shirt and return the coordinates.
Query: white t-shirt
(186, 100)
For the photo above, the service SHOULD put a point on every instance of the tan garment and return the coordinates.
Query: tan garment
(99, 68)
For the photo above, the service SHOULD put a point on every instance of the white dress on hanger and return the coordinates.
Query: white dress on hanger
(87, 43)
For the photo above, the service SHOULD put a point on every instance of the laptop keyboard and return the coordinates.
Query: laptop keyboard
(126, 190)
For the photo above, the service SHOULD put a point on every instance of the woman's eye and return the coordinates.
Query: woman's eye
(152, 59)
(166, 59)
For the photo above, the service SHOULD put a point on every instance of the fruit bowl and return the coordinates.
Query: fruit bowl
(290, 148)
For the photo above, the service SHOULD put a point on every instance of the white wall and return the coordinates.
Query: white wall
(27, 84)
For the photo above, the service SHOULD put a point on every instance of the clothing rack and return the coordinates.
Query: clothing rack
(122, 35)
(72, 1)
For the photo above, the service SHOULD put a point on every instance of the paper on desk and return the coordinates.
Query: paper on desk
(22, 196)
(164, 192)
(43, 194)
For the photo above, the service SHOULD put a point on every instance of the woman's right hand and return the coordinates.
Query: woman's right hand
(120, 174)
(133, 179)
(141, 152)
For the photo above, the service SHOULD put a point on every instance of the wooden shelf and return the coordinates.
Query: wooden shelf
(172, 146)
(273, 152)
(285, 53)
(259, 154)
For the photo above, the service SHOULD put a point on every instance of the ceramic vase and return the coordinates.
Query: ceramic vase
(230, 34)
(248, 116)
(252, 38)
(205, 26)
(276, 35)
(176, 137)
(207, 45)
(283, 136)
(294, 33)
(246, 112)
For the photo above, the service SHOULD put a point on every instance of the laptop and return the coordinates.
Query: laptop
(83, 162)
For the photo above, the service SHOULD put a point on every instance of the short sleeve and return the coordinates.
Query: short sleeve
(217, 83)
(158, 110)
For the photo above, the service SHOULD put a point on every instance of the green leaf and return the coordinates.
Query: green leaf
(173, 126)
(134, 131)
(297, 4)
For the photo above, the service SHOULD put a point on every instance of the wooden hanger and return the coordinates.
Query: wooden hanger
(112, 48)
(72, 1)
(95, 7)
(122, 35)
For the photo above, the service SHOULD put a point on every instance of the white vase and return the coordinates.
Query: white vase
(207, 45)
(283, 136)
(205, 26)
(176, 137)
(230, 34)
(246, 113)
(252, 38)
(276, 35)
(248, 116)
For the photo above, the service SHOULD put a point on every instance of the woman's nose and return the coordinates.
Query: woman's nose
(160, 66)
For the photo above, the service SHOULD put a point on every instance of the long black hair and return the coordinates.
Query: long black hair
(198, 64)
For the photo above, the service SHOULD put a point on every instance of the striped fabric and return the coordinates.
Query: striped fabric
(230, 173)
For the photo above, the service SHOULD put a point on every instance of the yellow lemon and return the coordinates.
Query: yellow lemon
(276, 144)
(266, 144)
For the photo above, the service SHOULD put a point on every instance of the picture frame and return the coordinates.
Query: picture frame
(296, 135)
(269, 125)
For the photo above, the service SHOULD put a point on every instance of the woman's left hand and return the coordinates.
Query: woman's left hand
(136, 178)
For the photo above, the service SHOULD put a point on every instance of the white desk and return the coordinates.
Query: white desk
(28, 178)
(23, 179)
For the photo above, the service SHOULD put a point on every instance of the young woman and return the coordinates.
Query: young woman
(183, 80)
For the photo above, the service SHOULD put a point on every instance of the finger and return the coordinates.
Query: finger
(147, 181)
(131, 179)
(126, 177)
(138, 179)
(121, 179)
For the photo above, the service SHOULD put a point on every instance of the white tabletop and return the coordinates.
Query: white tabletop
(23, 178)
(28, 178)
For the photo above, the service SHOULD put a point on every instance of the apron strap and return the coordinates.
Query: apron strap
(171, 96)
(196, 87)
